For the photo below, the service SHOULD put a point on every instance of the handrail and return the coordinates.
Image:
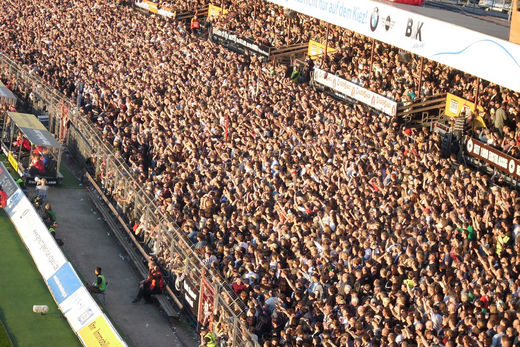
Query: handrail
(290, 48)
(201, 12)
(423, 104)
(130, 234)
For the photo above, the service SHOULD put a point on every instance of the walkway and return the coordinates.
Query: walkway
(87, 244)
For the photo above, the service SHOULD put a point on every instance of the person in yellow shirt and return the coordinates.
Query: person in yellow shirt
(502, 241)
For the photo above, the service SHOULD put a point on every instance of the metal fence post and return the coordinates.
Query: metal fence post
(234, 336)
(216, 296)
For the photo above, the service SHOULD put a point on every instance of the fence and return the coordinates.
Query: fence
(219, 304)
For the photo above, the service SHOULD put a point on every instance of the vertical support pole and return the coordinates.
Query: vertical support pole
(477, 92)
(371, 60)
(326, 45)
(107, 174)
(235, 327)
(146, 217)
(216, 298)
(227, 127)
(419, 86)
(136, 207)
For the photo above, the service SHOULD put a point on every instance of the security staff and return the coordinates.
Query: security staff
(208, 339)
(100, 285)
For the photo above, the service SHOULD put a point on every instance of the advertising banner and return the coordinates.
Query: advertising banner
(206, 306)
(80, 309)
(153, 8)
(7, 182)
(100, 333)
(316, 49)
(12, 161)
(73, 299)
(230, 38)
(166, 13)
(351, 90)
(455, 105)
(478, 54)
(408, 2)
(47, 256)
(190, 293)
(493, 157)
(64, 283)
(215, 11)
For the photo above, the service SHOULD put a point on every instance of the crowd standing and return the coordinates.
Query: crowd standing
(333, 224)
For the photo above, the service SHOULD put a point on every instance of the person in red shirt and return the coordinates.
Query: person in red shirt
(37, 167)
(38, 150)
(238, 286)
(153, 284)
(22, 141)
(195, 24)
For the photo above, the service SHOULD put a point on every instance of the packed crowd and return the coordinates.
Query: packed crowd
(333, 225)
(393, 73)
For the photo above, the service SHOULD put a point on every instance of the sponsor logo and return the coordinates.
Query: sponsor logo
(414, 29)
(469, 145)
(374, 19)
(388, 23)
(512, 166)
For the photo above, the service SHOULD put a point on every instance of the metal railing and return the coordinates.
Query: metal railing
(162, 234)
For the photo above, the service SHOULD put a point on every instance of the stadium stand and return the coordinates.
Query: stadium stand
(334, 224)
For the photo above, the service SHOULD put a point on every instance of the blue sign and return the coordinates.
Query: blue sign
(64, 283)
(13, 202)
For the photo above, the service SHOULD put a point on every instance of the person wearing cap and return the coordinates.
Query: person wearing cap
(207, 338)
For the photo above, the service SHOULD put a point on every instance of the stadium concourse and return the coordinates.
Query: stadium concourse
(333, 223)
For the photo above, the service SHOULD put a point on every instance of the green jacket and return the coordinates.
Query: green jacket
(211, 340)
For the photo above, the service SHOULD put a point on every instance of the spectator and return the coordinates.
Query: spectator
(334, 215)
(100, 284)
(153, 284)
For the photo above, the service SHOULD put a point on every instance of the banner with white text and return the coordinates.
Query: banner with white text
(478, 54)
(351, 90)
(65, 286)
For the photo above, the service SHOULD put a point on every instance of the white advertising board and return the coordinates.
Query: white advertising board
(47, 256)
(81, 310)
(355, 92)
(478, 54)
